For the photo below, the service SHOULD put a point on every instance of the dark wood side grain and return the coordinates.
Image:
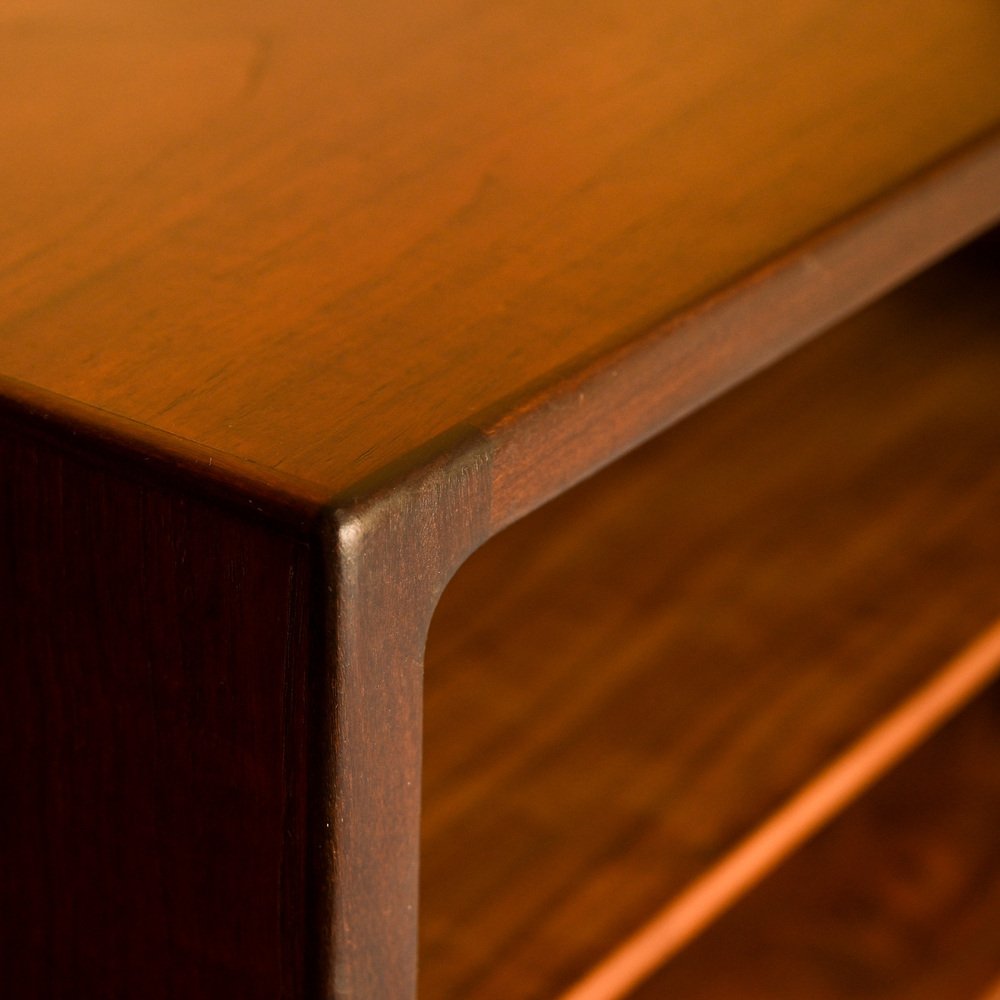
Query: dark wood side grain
(627, 682)
(156, 649)
(897, 900)
(211, 709)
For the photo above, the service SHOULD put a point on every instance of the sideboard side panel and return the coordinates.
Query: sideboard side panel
(153, 651)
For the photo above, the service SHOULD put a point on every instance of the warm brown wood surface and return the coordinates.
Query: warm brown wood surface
(315, 236)
(383, 278)
(629, 681)
(898, 900)
(826, 794)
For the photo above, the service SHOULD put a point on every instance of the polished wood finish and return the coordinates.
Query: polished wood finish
(898, 900)
(317, 236)
(624, 686)
(383, 279)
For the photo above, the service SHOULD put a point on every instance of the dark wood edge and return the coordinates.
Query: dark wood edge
(390, 557)
(582, 419)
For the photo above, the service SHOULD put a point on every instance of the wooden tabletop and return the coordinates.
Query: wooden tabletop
(315, 237)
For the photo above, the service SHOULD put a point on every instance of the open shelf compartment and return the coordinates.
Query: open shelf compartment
(623, 687)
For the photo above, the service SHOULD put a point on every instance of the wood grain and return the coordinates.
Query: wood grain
(316, 237)
(389, 560)
(380, 280)
(155, 658)
(900, 898)
(623, 685)
(825, 795)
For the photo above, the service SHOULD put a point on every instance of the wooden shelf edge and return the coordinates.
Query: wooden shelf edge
(839, 784)
(583, 419)
(897, 899)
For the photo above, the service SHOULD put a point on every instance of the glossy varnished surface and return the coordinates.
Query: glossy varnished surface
(631, 680)
(898, 900)
(317, 235)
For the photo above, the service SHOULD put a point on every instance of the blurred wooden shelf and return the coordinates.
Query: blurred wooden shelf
(626, 685)
(302, 303)
(897, 900)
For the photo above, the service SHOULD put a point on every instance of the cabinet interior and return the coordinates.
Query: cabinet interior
(627, 684)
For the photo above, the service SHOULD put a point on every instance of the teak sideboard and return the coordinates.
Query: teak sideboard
(301, 304)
